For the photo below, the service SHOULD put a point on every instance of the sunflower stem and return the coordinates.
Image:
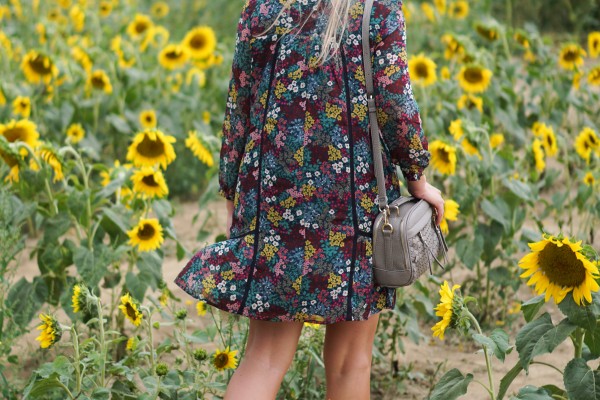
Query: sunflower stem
(102, 342)
(547, 365)
(150, 337)
(578, 341)
(75, 338)
(488, 364)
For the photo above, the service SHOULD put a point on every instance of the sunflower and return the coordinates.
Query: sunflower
(470, 102)
(105, 8)
(225, 359)
(201, 42)
(496, 139)
(75, 133)
(173, 56)
(149, 182)
(150, 147)
(593, 77)
(159, 9)
(441, 6)
(201, 308)
(79, 298)
(198, 147)
(22, 106)
(538, 155)
(594, 44)
(571, 56)
(206, 117)
(556, 266)
(458, 9)
(589, 179)
(132, 343)
(474, 79)
(23, 130)
(429, 11)
(130, 309)
(51, 331)
(155, 32)
(456, 129)
(585, 143)
(422, 70)
(487, 32)
(164, 296)
(12, 158)
(49, 155)
(139, 27)
(82, 58)
(98, 80)
(77, 18)
(546, 134)
(521, 38)
(445, 73)
(448, 308)
(450, 214)
(443, 157)
(38, 68)
(195, 73)
(147, 235)
(470, 148)
(148, 119)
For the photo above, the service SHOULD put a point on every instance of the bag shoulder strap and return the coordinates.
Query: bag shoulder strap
(374, 127)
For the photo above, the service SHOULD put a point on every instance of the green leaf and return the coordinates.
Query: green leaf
(541, 336)
(533, 393)
(507, 380)
(497, 342)
(135, 285)
(580, 381)
(41, 388)
(92, 264)
(498, 211)
(149, 263)
(583, 316)
(532, 306)
(119, 123)
(519, 188)
(452, 385)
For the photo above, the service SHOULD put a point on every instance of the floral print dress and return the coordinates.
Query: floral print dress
(296, 159)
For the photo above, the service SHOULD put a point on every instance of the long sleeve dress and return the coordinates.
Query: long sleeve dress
(296, 159)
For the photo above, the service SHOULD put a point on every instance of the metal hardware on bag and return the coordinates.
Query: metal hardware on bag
(387, 227)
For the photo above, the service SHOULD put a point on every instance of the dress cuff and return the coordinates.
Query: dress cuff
(227, 195)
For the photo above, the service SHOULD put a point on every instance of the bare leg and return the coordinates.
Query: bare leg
(269, 353)
(348, 354)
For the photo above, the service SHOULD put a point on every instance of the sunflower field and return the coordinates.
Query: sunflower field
(110, 131)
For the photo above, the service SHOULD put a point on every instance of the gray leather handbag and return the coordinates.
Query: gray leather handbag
(405, 235)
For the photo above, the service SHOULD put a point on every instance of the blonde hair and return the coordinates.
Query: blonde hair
(334, 32)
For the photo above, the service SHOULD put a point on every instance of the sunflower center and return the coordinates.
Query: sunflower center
(561, 265)
(141, 27)
(10, 161)
(151, 148)
(221, 360)
(149, 181)
(197, 42)
(422, 70)
(98, 82)
(173, 54)
(147, 232)
(41, 65)
(149, 118)
(444, 156)
(571, 55)
(14, 134)
(473, 75)
(131, 313)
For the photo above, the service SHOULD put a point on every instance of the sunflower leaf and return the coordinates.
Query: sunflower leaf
(451, 386)
(533, 393)
(580, 381)
(540, 336)
(531, 307)
(497, 342)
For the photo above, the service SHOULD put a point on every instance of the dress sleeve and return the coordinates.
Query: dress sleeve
(397, 111)
(237, 112)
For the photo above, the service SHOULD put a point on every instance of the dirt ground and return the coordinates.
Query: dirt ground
(424, 358)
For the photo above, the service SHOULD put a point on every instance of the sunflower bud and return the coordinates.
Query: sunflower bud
(181, 314)
(162, 369)
(200, 355)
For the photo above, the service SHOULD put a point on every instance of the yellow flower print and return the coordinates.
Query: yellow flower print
(208, 283)
(280, 89)
(369, 246)
(360, 111)
(309, 250)
(269, 251)
(299, 156)
(337, 238)
(274, 216)
(308, 190)
(309, 121)
(334, 153)
(333, 111)
(297, 284)
(366, 202)
(227, 275)
(333, 281)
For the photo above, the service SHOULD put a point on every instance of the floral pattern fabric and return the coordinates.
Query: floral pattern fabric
(296, 159)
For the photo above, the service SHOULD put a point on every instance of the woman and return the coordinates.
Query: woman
(296, 169)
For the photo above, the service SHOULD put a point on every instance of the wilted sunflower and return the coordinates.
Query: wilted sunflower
(589, 179)
(38, 68)
(496, 139)
(521, 38)
(201, 42)
(105, 8)
(195, 73)
(132, 343)
(130, 309)
(546, 134)
(538, 155)
(450, 214)
(51, 331)
(422, 70)
(12, 158)
(159, 9)
(470, 148)
(201, 308)
(79, 299)
(556, 266)
(173, 56)
(593, 77)
(150, 147)
(458, 9)
(139, 27)
(49, 155)
(147, 235)
(148, 119)
(474, 79)
(443, 157)
(571, 56)
(149, 182)
(194, 143)
(449, 309)
(594, 44)
(487, 32)
(470, 102)
(585, 143)
(225, 359)
(99, 80)
(75, 133)
(22, 106)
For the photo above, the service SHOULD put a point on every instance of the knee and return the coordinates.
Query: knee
(352, 364)
(268, 361)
